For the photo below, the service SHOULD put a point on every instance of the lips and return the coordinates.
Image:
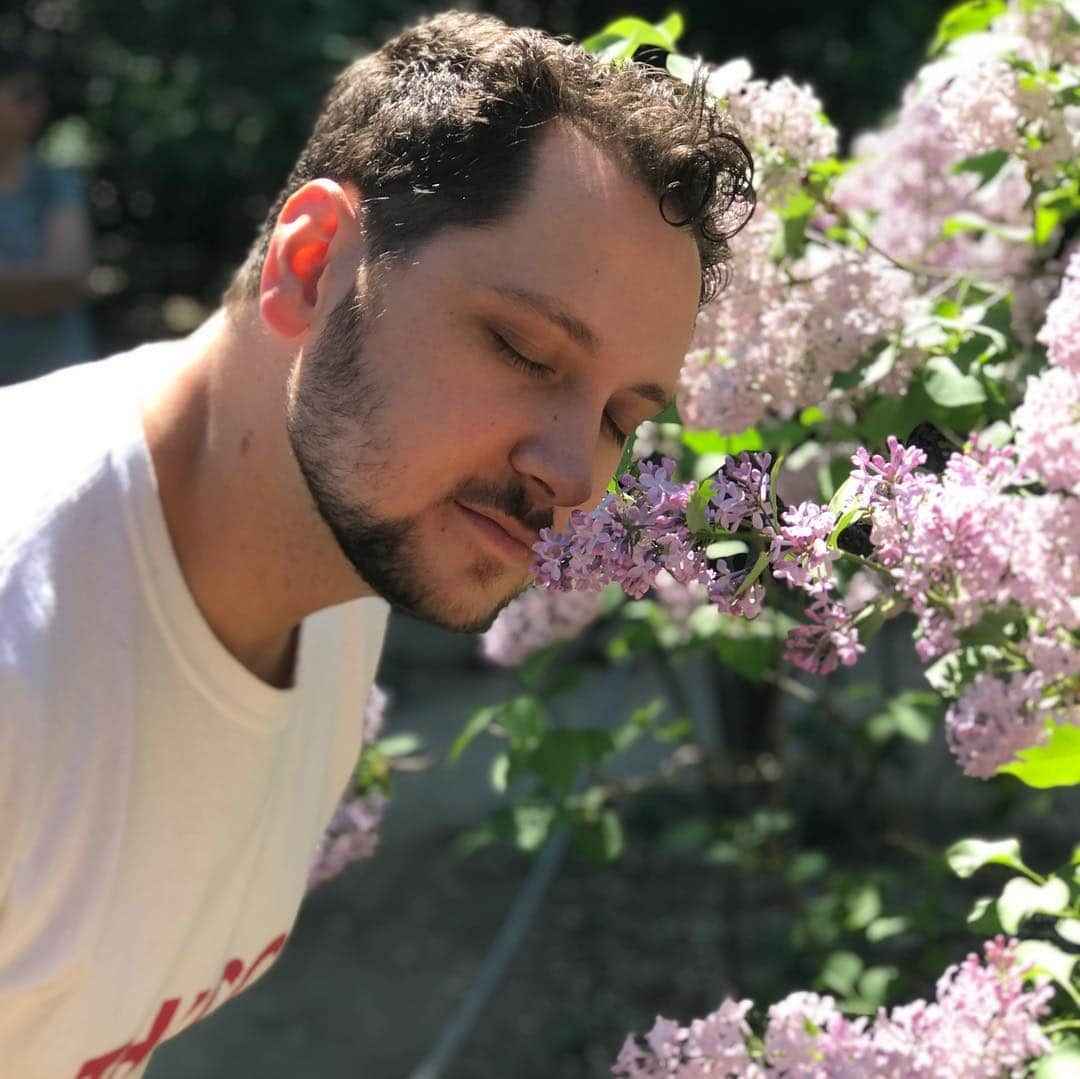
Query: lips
(510, 537)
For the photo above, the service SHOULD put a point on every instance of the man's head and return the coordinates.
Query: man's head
(490, 256)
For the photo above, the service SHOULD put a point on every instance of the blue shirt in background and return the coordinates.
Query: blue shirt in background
(32, 345)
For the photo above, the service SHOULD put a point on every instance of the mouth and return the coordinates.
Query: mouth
(511, 539)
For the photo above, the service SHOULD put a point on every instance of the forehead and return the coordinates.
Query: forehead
(589, 235)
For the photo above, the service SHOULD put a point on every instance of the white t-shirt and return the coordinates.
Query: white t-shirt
(159, 804)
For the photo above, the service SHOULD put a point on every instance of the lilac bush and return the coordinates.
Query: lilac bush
(908, 320)
(983, 1024)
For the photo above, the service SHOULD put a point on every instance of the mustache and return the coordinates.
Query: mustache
(510, 500)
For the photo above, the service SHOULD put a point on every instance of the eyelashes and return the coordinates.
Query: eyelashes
(539, 371)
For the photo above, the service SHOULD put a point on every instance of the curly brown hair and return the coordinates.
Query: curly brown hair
(437, 128)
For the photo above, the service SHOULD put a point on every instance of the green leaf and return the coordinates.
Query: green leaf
(1069, 929)
(522, 719)
(863, 906)
(1047, 219)
(844, 494)
(531, 825)
(992, 626)
(964, 19)
(947, 386)
(750, 657)
(883, 928)
(840, 972)
(697, 506)
(756, 571)
(849, 517)
(399, 745)
(624, 462)
(728, 76)
(968, 855)
(1063, 1062)
(599, 840)
(639, 722)
(965, 221)
(562, 753)
(949, 674)
(476, 724)
(622, 37)
(726, 549)
(912, 715)
(986, 166)
(1022, 897)
(874, 985)
(1054, 764)
(795, 215)
(672, 26)
(982, 917)
(1049, 959)
(712, 442)
(806, 866)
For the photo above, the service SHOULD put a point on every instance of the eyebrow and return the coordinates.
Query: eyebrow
(578, 331)
(549, 308)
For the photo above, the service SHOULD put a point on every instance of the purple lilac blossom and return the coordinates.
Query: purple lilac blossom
(982, 1025)
(536, 619)
(353, 831)
(993, 720)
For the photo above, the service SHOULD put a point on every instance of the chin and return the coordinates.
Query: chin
(472, 613)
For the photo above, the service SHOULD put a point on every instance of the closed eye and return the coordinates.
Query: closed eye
(539, 370)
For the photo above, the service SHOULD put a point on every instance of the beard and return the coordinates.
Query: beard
(334, 396)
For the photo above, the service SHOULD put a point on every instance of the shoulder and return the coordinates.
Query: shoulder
(58, 434)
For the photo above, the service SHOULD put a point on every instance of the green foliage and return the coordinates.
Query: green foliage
(1063, 1062)
(964, 19)
(1054, 764)
(913, 715)
(967, 855)
(621, 38)
(1022, 898)
(374, 765)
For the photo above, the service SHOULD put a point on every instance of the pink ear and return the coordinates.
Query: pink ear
(297, 255)
(280, 299)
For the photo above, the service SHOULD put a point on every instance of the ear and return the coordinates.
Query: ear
(316, 223)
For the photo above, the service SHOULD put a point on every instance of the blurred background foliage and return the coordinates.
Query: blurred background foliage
(185, 116)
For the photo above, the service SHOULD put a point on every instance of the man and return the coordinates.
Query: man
(482, 273)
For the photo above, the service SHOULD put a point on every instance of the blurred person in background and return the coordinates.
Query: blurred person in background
(45, 238)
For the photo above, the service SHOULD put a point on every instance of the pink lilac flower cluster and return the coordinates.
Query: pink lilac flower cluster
(772, 341)
(904, 177)
(353, 831)
(987, 103)
(982, 1025)
(783, 123)
(639, 535)
(968, 543)
(536, 619)
(1048, 421)
(641, 529)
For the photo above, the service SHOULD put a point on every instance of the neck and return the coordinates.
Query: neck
(255, 554)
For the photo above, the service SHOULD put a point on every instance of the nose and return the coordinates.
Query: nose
(556, 462)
